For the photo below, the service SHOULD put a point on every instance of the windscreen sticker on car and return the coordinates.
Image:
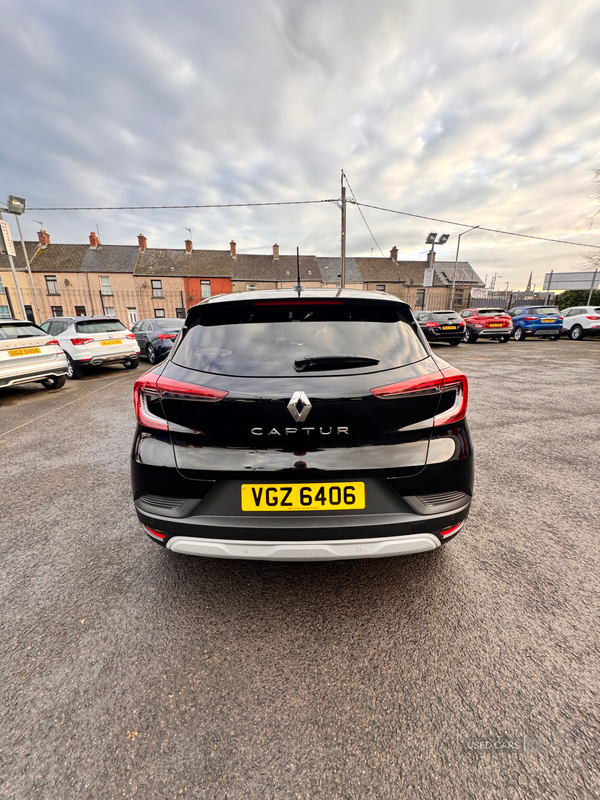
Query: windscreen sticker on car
(212, 351)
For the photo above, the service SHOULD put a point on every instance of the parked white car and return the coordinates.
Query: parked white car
(581, 321)
(93, 341)
(28, 354)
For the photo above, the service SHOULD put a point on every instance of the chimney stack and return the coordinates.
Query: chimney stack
(94, 241)
(232, 249)
(44, 238)
(394, 254)
(275, 251)
(188, 246)
(142, 242)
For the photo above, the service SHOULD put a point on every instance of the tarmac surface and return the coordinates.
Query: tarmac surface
(469, 672)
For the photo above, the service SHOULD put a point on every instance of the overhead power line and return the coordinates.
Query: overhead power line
(480, 227)
(363, 216)
(316, 202)
(206, 205)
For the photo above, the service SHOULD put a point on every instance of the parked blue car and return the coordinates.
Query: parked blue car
(156, 336)
(543, 321)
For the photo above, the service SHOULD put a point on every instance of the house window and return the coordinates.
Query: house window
(180, 313)
(381, 287)
(80, 311)
(250, 287)
(52, 284)
(57, 311)
(29, 313)
(205, 288)
(157, 289)
(420, 299)
(159, 312)
(110, 311)
(105, 287)
(4, 312)
(1, 287)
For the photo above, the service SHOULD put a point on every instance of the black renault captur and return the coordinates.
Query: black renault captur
(302, 425)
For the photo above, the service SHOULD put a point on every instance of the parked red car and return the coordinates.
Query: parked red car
(492, 323)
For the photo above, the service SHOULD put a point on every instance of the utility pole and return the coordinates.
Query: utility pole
(343, 271)
(35, 300)
(549, 285)
(12, 267)
(592, 286)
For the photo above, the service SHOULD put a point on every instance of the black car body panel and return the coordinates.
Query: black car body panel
(192, 454)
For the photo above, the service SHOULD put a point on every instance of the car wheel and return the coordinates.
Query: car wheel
(503, 339)
(470, 337)
(133, 364)
(151, 354)
(576, 332)
(54, 383)
(455, 343)
(519, 335)
(73, 372)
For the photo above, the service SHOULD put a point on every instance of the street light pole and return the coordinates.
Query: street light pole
(12, 267)
(35, 300)
(456, 263)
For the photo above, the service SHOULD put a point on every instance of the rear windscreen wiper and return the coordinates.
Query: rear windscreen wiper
(315, 363)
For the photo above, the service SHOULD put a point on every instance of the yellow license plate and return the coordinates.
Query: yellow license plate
(448, 327)
(303, 496)
(112, 341)
(24, 351)
(496, 325)
(548, 320)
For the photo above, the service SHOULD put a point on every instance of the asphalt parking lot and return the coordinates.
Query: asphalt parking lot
(130, 672)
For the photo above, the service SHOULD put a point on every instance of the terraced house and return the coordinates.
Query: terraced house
(135, 281)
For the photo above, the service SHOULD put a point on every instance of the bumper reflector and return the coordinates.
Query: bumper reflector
(160, 536)
(450, 531)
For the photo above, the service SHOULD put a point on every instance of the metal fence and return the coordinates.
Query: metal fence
(508, 300)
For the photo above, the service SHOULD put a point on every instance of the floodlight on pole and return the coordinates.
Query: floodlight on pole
(443, 238)
(15, 205)
(431, 238)
(456, 262)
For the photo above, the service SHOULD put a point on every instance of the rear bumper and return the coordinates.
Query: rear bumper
(297, 537)
(542, 331)
(492, 331)
(305, 551)
(34, 375)
(116, 358)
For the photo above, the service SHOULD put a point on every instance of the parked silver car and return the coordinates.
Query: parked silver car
(580, 321)
(28, 354)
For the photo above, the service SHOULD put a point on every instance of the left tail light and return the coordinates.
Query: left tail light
(167, 335)
(154, 387)
(56, 342)
(447, 380)
(130, 335)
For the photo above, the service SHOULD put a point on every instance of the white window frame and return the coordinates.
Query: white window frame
(110, 311)
(205, 289)
(52, 279)
(132, 314)
(105, 285)
(161, 315)
(251, 287)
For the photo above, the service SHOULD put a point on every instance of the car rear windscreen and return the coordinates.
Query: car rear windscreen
(280, 338)
(541, 310)
(490, 312)
(99, 326)
(20, 330)
(170, 324)
(446, 316)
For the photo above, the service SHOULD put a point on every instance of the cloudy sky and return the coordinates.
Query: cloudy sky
(480, 113)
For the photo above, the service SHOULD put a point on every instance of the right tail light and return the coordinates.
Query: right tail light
(447, 380)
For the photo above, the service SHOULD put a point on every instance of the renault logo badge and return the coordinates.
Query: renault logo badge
(299, 406)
